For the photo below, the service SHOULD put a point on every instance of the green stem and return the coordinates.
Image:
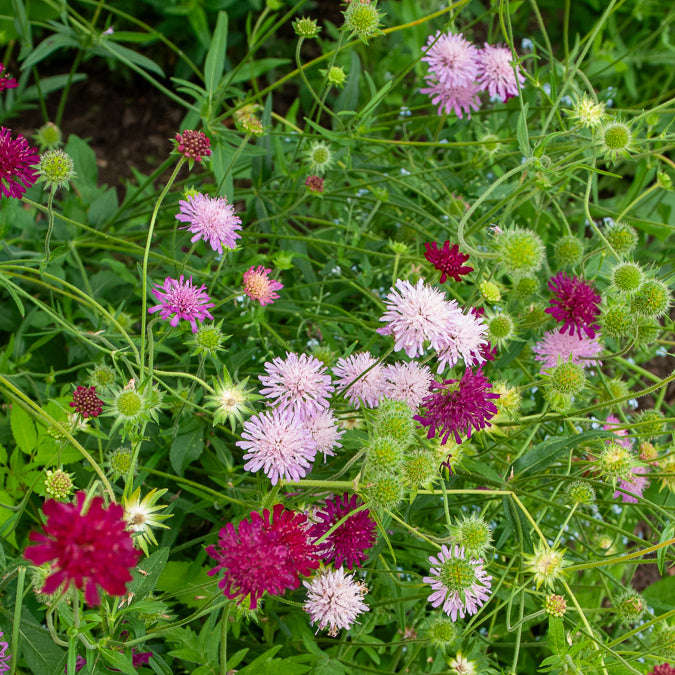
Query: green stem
(50, 227)
(223, 640)
(16, 626)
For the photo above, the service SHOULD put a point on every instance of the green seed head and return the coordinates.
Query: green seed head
(384, 492)
(457, 575)
(306, 28)
(500, 328)
(567, 378)
(102, 376)
(336, 76)
(652, 299)
(622, 237)
(56, 169)
(520, 251)
(630, 606)
(319, 156)
(208, 339)
(363, 20)
(394, 419)
(568, 251)
(651, 423)
(580, 492)
(616, 139)
(442, 631)
(626, 277)
(490, 291)
(384, 453)
(524, 287)
(617, 321)
(48, 136)
(616, 462)
(615, 389)
(473, 533)
(120, 462)
(420, 469)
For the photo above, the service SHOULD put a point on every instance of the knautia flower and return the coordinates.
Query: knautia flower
(631, 490)
(298, 383)
(497, 73)
(614, 425)
(558, 347)
(17, 160)
(58, 484)
(546, 565)
(575, 304)
(314, 184)
(363, 20)
(193, 145)
(447, 260)
(334, 600)
(279, 444)
(453, 61)
(324, 429)
(180, 299)
(459, 584)
(141, 515)
(56, 169)
(5, 658)
(347, 544)
(231, 400)
(6, 82)
(210, 219)
(362, 379)
(555, 605)
(459, 99)
(460, 665)
(88, 549)
(86, 402)
(662, 669)
(258, 286)
(458, 406)
(266, 554)
(407, 381)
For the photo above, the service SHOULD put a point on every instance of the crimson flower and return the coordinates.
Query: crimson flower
(576, 304)
(86, 402)
(448, 260)
(193, 144)
(88, 549)
(17, 159)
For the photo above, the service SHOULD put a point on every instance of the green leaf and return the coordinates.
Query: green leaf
(667, 534)
(186, 448)
(556, 635)
(521, 133)
(215, 59)
(47, 46)
(659, 595)
(187, 582)
(128, 56)
(38, 648)
(254, 69)
(148, 571)
(120, 661)
(23, 429)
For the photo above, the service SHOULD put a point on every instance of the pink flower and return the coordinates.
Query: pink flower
(279, 444)
(258, 286)
(17, 159)
(212, 220)
(461, 99)
(465, 338)
(86, 402)
(452, 59)
(448, 260)
(193, 145)
(556, 346)
(576, 304)
(611, 425)
(299, 383)
(87, 549)
(635, 487)
(267, 554)
(407, 381)
(182, 299)
(323, 428)
(497, 74)
(359, 388)
(6, 82)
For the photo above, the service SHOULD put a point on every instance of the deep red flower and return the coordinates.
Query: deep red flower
(266, 554)
(193, 144)
(448, 260)
(88, 549)
(663, 669)
(86, 402)
(17, 159)
(576, 304)
(454, 406)
(6, 82)
(314, 184)
(348, 543)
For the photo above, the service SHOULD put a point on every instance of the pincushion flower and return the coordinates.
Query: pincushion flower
(141, 515)
(557, 346)
(6, 82)
(497, 74)
(447, 260)
(348, 543)
(87, 549)
(334, 600)
(576, 304)
(465, 338)
(183, 300)
(323, 428)
(461, 99)
(86, 402)
(460, 585)
(452, 59)
(298, 383)
(212, 220)
(278, 443)
(546, 564)
(266, 554)
(193, 145)
(17, 161)
(454, 406)
(258, 286)
(407, 381)
(5, 658)
(614, 425)
(630, 490)
(360, 388)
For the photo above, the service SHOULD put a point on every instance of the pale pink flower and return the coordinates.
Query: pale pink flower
(611, 425)
(452, 59)
(555, 347)
(464, 339)
(635, 487)
(359, 388)
(324, 429)
(460, 99)
(212, 220)
(408, 381)
(298, 383)
(278, 443)
(258, 286)
(497, 73)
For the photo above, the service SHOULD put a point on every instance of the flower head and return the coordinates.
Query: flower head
(363, 20)
(298, 382)
(465, 338)
(334, 600)
(323, 428)
(452, 59)
(5, 658)
(454, 406)
(576, 304)
(631, 490)
(496, 73)
(546, 565)
(17, 160)
(56, 169)
(230, 400)
(460, 665)
(212, 220)
(407, 381)
(557, 346)
(555, 605)
(86, 402)
(662, 669)
(348, 543)
(461, 585)
(362, 378)
(314, 184)
(587, 112)
(320, 157)
(266, 554)
(258, 286)
(279, 444)
(88, 548)
(611, 425)
(58, 484)
(141, 516)
(183, 300)
(458, 99)
(194, 145)
(448, 260)
(6, 82)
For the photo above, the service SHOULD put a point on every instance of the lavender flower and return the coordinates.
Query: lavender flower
(367, 389)
(629, 491)
(556, 346)
(212, 220)
(407, 381)
(323, 428)
(497, 74)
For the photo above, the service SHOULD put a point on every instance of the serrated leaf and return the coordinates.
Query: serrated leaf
(23, 429)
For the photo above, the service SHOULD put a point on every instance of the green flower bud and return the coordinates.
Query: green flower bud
(48, 136)
(490, 291)
(306, 28)
(336, 76)
(58, 484)
(56, 169)
(617, 321)
(567, 378)
(626, 277)
(473, 533)
(622, 238)
(568, 251)
(363, 20)
(652, 299)
(580, 492)
(520, 251)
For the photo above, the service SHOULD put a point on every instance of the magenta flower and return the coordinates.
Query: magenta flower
(212, 220)
(452, 59)
(407, 381)
(299, 383)
(278, 443)
(359, 388)
(556, 346)
(267, 554)
(461, 99)
(17, 159)
(347, 544)
(662, 669)
(576, 304)
(5, 658)
(86, 402)
(183, 300)
(324, 429)
(6, 82)
(454, 406)
(448, 260)
(258, 286)
(497, 74)
(193, 145)
(459, 584)
(629, 491)
(315, 184)
(88, 550)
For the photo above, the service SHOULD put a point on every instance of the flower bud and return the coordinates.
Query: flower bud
(306, 28)
(119, 461)
(622, 238)
(555, 605)
(568, 251)
(336, 76)
(363, 20)
(48, 136)
(580, 492)
(520, 251)
(56, 169)
(626, 277)
(567, 378)
(652, 299)
(58, 484)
